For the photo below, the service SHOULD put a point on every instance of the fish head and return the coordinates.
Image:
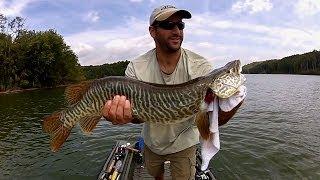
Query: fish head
(226, 80)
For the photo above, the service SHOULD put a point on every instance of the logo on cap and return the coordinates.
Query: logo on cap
(166, 7)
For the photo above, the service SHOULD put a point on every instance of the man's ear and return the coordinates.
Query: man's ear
(152, 31)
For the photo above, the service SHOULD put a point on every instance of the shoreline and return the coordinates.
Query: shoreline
(12, 91)
(17, 90)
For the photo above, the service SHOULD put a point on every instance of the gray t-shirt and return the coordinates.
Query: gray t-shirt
(169, 138)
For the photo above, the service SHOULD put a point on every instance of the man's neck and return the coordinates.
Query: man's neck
(168, 61)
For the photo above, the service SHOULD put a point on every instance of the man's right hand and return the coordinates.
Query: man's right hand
(118, 110)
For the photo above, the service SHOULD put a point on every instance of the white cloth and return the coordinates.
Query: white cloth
(211, 146)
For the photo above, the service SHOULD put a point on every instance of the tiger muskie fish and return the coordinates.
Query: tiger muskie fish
(154, 103)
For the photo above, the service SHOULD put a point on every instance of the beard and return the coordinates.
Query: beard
(168, 45)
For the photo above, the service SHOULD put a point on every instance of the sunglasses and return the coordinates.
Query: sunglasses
(168, 25)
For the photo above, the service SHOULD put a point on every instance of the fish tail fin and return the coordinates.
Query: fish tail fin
(53, 124)
(203, 124)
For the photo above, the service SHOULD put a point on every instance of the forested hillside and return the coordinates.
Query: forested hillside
(99, 71)
(38, 59)
(31, 58)
(308, 63)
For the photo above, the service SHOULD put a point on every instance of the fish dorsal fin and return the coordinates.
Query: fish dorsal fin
(75, 92)
(87, 124)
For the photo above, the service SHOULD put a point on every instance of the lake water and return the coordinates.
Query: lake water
(275, 135)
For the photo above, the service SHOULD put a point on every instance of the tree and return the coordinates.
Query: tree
(34, 59)
(308, 63)
(113, 69)
(47, 59)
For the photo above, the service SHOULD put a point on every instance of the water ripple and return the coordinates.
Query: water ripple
(275, 135)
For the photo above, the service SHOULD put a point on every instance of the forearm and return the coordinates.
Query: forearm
(224, 117)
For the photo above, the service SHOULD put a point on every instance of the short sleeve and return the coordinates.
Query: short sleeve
(129, 72)
(197, 65)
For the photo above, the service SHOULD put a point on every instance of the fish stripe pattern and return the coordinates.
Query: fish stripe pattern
(154, 103)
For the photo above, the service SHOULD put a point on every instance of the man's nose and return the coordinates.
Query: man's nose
(176, 29)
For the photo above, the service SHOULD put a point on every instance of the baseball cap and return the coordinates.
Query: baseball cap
(163, 12)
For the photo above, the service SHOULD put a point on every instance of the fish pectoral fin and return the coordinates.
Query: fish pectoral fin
(74, 93)
(203, 124)
(88, 123)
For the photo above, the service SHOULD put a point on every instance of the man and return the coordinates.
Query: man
(168, 63)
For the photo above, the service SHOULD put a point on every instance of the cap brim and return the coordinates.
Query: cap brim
(183, 13)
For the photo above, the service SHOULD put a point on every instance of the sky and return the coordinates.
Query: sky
(107, 31)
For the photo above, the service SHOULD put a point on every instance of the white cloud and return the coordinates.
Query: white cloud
(105, 46)
(248, 41)
(201, 32)
(218, 39)
(13, 8)
(307, 7)
(92, 16)
(207, 45)
(253, 6)
(283, 36)
(119, 46)
(214, 36)
(136, 0)
(82, 49)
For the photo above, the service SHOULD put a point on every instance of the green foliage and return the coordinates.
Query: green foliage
(308, 63)
(114, 69)
(34, 59)
(7, 68)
